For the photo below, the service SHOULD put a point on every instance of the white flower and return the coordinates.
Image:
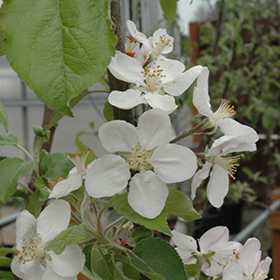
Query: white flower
(32, 261)
(159, 43)
(237, 138)
(151, 83)
(247, 264)
(215, 249)
(201, 101)
(146, 150)
(74, 179)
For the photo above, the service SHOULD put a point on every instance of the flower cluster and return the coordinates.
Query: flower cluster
(219, 257)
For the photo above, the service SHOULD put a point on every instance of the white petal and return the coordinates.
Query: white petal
(232, 271)
(212, 270)
(26, 226)
(126, 99)
(250, 256)
(173, 163)
(16, 267)
(147, 194)
(107, 176)
(182, 82)
(186, 256)
(214, 239)
(126, 68)
(245, 134)
(69, 263)
(118, 136)
(263, 267)
(184, 242)
(138, 36)
(157, 37)
(218, 185)
(35, 272)
(54, 219)
(201, 104)
(225, 252)
(154, 127)
(171, 70)
(64, 187)
(202, 84)
(163, 102)
(50, 274)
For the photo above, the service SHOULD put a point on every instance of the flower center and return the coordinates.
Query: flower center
(153, 74)
(230, 164)
(131, 44)
(224, 111)
(79, 160)
(162, 44)
(31, 250)
(261, 275)
(52, 184)
(137, 159)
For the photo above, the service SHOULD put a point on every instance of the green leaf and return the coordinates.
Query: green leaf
(141, 233)
(6, 275)
(180, 205)
(157, 259)
(40, 184)
(169, 8)
(81, 147)
(34, 205)
(11, 170)
(5, 262)
(21, 193)
(72, 235)
(101, 264)
(8, 140)
(55, 166)
(192, 269)
(57, 47)
(159, 223)
(128, 270)
(2, 52)
(90, 275)
(4, 251)
(108, 111)
(3, 115)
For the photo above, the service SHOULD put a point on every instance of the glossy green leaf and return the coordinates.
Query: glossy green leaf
(11, 170)
(55, 166)
(72, 235)
(157, 259)
(82, 147)
(34, 205)
(169, 8)
(3, 115)
(141, 233)
(8, 140)
(108, 111)
(58, 47)
(180, 205)
(127, 269)
(120, 203)
(41, 183)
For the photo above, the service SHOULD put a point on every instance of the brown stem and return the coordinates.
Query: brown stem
(114, 83)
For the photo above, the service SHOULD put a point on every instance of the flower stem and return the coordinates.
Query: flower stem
(98, 223)
(190, 132)
(76, 218)
(112, 224)
(199, 267)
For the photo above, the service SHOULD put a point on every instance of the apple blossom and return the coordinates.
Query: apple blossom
(238, 138)
(247, 264)
(215, 249)
(151, 83)
(201, 101)
(32, 261)
(74, 179)
(159, 43)
(147, 151)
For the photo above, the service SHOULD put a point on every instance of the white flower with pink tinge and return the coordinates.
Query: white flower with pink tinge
(247, 264)
(237, 138)
(147, 151)
(156, 84)
(159, 43)
(32, 260)
(215, 249)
